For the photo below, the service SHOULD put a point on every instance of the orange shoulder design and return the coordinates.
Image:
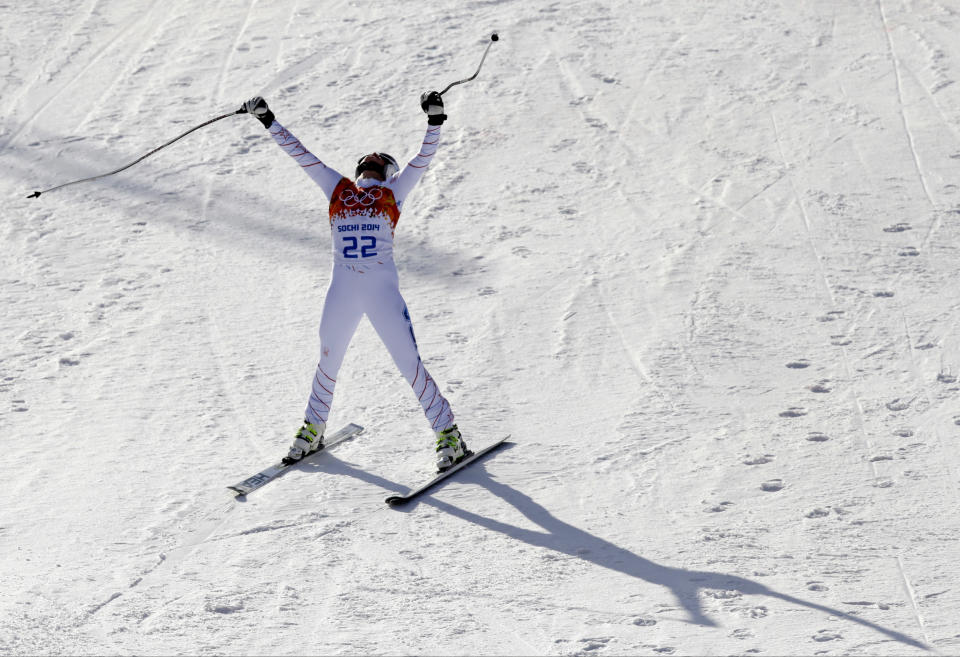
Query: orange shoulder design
(349, 200)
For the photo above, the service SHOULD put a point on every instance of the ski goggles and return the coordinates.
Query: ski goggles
(383, 170)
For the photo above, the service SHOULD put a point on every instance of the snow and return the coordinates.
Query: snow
(697, 258)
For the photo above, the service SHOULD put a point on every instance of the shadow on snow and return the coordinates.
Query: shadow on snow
(564, 538)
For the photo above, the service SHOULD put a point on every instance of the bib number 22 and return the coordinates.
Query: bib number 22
(364, 248)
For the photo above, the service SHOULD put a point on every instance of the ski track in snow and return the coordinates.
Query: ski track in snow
(887, 29)
(698, 261)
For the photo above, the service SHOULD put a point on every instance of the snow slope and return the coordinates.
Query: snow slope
(698, 258)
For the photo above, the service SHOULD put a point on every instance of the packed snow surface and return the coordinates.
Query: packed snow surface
(698, 258)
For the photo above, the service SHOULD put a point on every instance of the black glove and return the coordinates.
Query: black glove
(257, 107)
(432, 104)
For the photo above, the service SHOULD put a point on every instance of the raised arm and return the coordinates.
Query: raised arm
(406, 180)
(319, 172)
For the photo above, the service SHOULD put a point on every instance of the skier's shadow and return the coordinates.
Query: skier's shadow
(564, 538)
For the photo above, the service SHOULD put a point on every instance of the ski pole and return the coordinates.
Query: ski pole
(493, 37)
(140, 159)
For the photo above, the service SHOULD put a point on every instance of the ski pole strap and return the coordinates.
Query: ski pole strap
(140, 159)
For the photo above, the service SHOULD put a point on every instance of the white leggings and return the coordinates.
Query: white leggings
(376, 294)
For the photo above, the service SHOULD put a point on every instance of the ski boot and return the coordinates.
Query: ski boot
(450, 448)
(308, 440)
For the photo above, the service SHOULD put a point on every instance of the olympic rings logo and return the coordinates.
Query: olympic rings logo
(365, 198)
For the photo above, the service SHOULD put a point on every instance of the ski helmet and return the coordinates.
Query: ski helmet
(386, 170)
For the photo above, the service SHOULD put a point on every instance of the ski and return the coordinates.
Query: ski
(397, 500)
(266, 476)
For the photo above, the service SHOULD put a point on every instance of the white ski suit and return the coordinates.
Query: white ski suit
(363, 218)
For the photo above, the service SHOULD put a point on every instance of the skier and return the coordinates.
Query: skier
(363, 216)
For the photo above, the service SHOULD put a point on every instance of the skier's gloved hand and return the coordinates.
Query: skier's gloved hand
(432, 104)
(257, 106)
